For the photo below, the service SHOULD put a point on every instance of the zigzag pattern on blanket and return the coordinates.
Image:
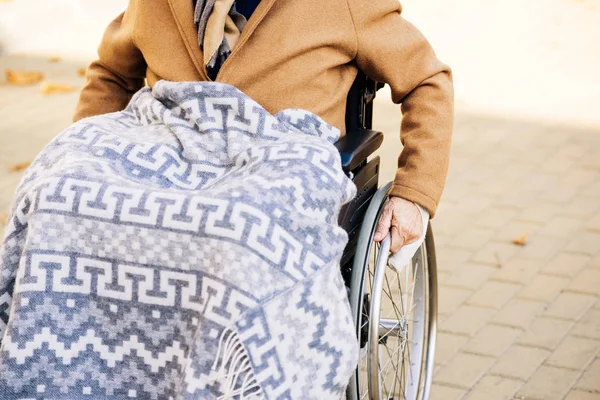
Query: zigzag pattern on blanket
(186, 247)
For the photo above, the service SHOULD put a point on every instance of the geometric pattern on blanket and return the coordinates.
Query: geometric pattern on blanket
(186, 247)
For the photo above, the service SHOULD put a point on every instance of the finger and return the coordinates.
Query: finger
(402, 233)
(397, 239)
(385, 221)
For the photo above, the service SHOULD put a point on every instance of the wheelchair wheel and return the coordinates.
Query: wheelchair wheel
(395, 314)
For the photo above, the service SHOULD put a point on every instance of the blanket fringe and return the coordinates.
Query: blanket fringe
(231, 364)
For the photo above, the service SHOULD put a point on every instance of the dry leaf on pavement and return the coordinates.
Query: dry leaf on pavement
(3, 218)
(53, 59)
(81, 71)
(19, 166)
(520, 240)
(23, 77)
(48, 88)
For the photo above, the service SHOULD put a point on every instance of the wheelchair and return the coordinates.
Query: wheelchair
(394, 311)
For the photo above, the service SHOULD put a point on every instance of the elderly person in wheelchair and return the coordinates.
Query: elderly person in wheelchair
(327, 58)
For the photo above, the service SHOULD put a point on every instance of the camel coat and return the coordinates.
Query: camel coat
(293, 54)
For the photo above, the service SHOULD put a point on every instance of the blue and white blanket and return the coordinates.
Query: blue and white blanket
(186, 247)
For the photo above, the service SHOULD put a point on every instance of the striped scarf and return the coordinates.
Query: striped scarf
(219, 28)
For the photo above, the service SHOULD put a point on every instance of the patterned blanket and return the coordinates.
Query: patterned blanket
(186, 247)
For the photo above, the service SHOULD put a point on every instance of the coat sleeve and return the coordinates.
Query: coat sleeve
(118, 72)
(391, 50)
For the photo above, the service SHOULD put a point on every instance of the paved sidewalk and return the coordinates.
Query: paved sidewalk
(519, 321)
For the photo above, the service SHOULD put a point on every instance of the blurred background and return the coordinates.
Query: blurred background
(518, 229)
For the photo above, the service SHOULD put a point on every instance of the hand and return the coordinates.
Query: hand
(403, 219)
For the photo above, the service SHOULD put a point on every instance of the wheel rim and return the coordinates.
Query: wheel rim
(391, 363)
(359, 292)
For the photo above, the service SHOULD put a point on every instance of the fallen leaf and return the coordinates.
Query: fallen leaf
(53, 59)
(48, 88)
(3, 218)
(23, 77)
(520, 240)
(19, 166)
(81, 71)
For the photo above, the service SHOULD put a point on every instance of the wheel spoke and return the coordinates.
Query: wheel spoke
(389, 294)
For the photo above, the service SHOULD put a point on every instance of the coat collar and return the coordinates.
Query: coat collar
(183, 11)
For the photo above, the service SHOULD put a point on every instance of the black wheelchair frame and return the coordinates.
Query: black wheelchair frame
(359, 143)
(364, 265)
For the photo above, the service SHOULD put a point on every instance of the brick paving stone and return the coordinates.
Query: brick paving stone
(574, 150)
(472, 238)
(558, 165)
(517, 170)
(562, 227)
(492, 340)
(450, 223)
(566, 264)
(493, 387)
(582, 395)
(495, 217)
(467, 320)
(579, 177)
(445, 208)
(517, 270)
(584, 242)
(450, 259)
(540, 212)
(594, 223)
(563, 197)
(472, 205)
(570, 305)
(545, 332)
(443, 276)
(518, 313)
(541, 248)
(450, 298)
(582, 207)
(549, 383)
(574, 352)
(516, 199)
(441, 240)
(589, 325)
(447, 345)
(515, 229)
(494, 294)
(470, 276)
(543, 288)
(495, 187)
(589, 380)
(495, 253)
(595, 262)
(443, 392)
(478, 175)
(496, 159)
(587, 281)
(463, 370)
(520, 362)
(538, 180)
(592, 190)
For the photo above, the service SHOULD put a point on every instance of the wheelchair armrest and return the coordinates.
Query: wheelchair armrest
(357, 145)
